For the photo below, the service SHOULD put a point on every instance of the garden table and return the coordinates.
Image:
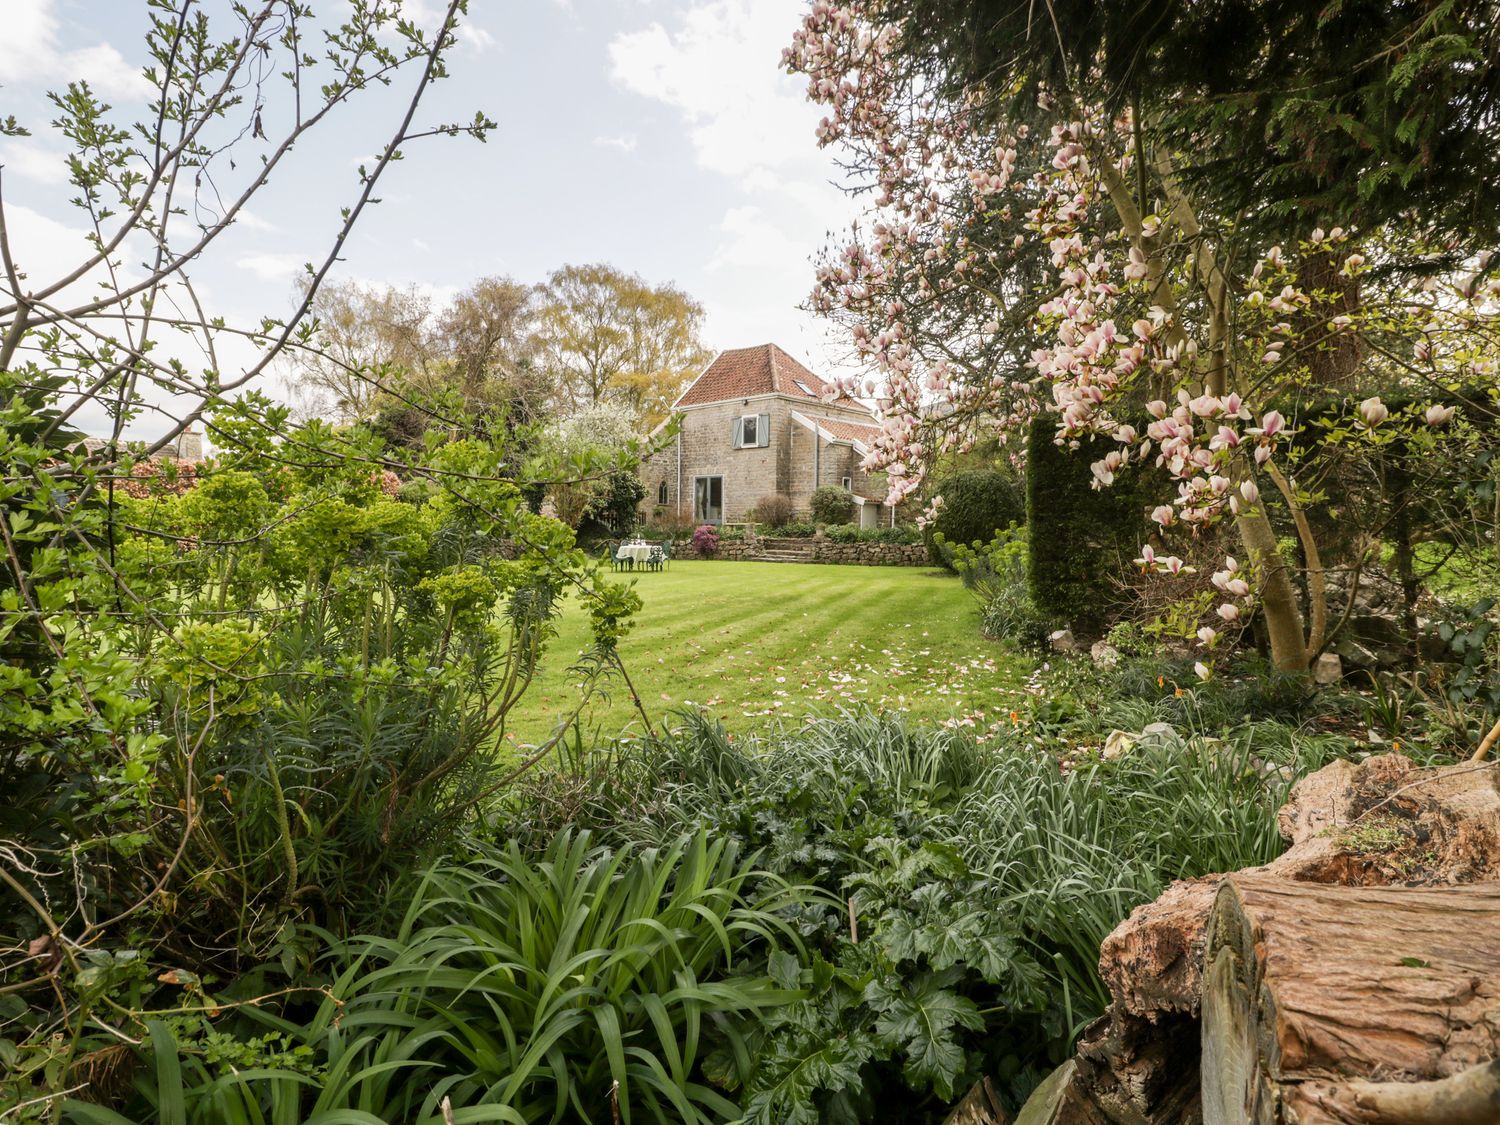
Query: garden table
(635, 553)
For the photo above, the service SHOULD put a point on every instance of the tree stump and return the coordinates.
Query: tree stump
(980, 1106)
(1314, 993)
(1385, 826)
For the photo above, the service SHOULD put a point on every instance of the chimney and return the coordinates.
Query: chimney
(190, 446)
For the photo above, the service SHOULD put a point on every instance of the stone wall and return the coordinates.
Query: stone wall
(870, 554)
(818, 551)
(730, 550)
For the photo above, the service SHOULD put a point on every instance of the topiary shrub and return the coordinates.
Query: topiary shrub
(1081, 538)
(832, 504)
(774, 511)
(976, 507)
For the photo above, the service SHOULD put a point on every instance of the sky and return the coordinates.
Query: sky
(663, 138)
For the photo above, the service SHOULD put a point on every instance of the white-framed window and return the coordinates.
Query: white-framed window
(804, 388)
(848, 483)
(750, 431)
(661, 493)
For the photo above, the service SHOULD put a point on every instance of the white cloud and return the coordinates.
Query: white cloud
(625, 142)
(24, 157)
(753, 242)
(272, 267)
(250, 220)
(43, 248)
(476, 38)
(428, 14)
(720, 68)
(717, 67)
(30, 52)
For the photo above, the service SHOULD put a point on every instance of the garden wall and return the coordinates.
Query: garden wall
(869, 554)
(816, 551)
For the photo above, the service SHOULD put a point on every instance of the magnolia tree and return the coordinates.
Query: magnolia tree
(1167, 332)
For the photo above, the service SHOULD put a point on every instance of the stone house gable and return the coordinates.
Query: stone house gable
(757, 423)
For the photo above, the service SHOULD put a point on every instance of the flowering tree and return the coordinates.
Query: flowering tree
(1176, 331)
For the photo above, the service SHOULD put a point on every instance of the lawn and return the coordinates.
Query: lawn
(754, 642)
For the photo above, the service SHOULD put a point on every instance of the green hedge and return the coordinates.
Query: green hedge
(853, 533)
(1080, 539)
(976, 506)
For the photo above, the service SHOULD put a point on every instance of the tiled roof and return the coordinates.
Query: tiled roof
(849, 431)
(859, 434)
(762, 370)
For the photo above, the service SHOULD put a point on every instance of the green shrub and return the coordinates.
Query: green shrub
(832, 504)
(798, 530)
(982, 881)
(995, 573)
(976, 506)
(586, 984)
(614, 499)
(858, 807)
(1081, 538)
(416, 492)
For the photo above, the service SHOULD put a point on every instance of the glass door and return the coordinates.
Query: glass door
(708, 499)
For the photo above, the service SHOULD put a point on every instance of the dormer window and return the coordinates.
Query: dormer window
(751, 431)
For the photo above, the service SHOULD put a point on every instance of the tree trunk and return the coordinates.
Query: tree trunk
(1333, 357)
(1278, 596)
(1310, 990)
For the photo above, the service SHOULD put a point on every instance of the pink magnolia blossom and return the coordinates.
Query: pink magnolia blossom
(1437, 415)
(1373, 411)
(1271, 424)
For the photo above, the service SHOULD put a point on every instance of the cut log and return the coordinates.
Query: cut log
(1381, 822)
(981, 1106)
(1314, 992)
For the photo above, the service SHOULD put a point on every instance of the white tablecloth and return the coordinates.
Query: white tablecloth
(639, 552)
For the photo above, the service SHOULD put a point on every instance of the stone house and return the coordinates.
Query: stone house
(757, 423)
